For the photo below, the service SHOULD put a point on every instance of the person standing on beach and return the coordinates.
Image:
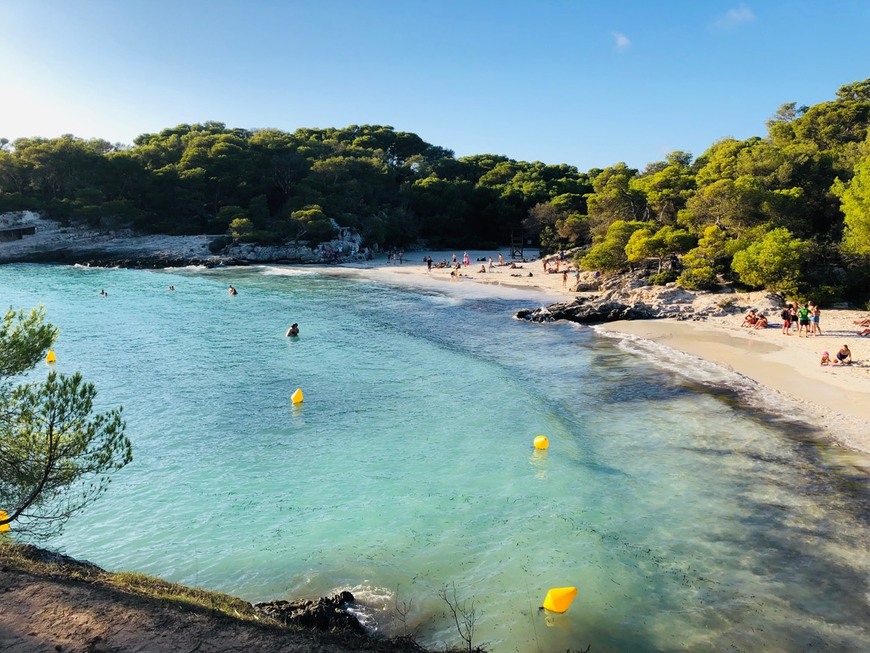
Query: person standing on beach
(793, 316)
(804, 320)
(429, 264)
(814, 319)
(786, 320)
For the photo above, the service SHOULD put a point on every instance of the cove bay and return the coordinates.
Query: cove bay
(691, 511)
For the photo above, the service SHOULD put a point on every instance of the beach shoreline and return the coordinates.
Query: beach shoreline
(834, 401)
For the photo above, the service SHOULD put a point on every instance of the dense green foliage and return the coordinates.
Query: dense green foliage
(809, 178)
(55, 453)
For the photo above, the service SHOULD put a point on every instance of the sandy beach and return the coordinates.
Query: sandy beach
(834, 400)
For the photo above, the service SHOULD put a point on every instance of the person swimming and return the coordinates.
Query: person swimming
(293, 330)
(233, 291)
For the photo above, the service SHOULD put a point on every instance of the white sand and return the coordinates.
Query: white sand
(836, 399)
(555, 286)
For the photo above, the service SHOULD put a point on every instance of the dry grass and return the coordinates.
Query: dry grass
(36, 561)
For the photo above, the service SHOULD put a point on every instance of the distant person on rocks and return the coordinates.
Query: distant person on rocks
(233, 291)
(293, 331)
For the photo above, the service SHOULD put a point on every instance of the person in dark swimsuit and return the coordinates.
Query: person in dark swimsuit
(844, 356)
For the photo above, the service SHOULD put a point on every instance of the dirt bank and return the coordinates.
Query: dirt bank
(63, 605)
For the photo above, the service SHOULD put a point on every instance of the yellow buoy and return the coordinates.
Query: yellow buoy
(541, 442)
(3, 517)
(296, 397)
(51, 358)
(559, 599)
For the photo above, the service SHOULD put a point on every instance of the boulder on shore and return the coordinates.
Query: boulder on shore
(326, 614)
(631, 297)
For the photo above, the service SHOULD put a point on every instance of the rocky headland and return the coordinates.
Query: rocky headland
(26, 237)
(630, 297)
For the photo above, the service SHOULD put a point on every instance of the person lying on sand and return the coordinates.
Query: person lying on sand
(865, 332)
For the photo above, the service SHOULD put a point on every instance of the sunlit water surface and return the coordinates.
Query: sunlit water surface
(689, 514)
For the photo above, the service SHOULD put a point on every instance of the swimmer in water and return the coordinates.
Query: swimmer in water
(293, 330)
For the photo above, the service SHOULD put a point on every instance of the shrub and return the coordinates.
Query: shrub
(662, 278)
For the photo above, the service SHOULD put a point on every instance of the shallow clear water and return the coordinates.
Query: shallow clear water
(687, 511)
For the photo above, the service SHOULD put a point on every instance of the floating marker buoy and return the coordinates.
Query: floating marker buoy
(541, 442)
(3, 517)
(51, 358)
(296, 397)
(559, 599)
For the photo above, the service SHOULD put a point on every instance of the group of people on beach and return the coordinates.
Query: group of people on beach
(843, 357)
(804, 319)
(755, 320)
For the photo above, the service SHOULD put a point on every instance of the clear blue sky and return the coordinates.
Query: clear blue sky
(588, 83)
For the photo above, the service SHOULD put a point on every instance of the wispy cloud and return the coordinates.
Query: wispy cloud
(620, 41)
(735, 17)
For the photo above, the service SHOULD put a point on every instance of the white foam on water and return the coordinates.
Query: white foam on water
(283, 271)
(708, 373)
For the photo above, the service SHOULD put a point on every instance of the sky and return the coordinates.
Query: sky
(582, 82)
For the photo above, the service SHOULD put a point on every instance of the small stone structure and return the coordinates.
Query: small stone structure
(16, 233)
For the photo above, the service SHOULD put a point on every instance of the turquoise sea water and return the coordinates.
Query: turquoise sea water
(690, 512)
